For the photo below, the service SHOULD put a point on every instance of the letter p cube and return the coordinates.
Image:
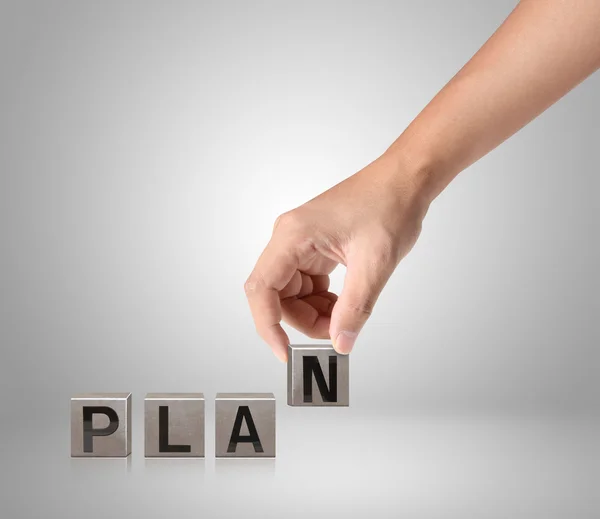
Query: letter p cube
(101, 425)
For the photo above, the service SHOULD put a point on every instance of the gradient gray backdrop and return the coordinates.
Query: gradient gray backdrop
(146, 149)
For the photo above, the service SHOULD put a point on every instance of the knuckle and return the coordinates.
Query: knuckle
(363, 307)
(277, 221)
(252, 284)
(281, 220)
(288, 220)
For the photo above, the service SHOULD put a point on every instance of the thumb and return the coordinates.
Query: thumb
(366, 275)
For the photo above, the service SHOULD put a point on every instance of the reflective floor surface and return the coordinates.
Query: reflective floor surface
(335, 464)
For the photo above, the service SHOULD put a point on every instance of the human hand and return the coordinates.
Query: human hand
(368, 223)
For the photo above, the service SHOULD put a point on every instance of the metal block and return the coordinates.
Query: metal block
(174, 425)
(317, 376)
(101, 425)
(245, 425)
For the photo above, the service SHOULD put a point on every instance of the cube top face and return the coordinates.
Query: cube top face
(317, 376)
(101, 425)
(101, 396)
(245, 396)
(175, 396)
(174, 425)
(311, 347)
(245, 425)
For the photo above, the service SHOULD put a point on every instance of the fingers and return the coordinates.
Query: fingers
(368, 270)
(273, 271)
(310, 314)
(303, 284)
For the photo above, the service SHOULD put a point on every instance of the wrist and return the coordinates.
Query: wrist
(416, 164)
(413, 175)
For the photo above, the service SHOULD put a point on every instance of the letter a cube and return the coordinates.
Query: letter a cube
(245, 425)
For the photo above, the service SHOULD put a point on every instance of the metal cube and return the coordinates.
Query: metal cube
(174, 425)
(101, 425)
(245, 425)
(317, 376)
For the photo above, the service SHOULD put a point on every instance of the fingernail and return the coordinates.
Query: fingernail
(281, 355)
(344, 342)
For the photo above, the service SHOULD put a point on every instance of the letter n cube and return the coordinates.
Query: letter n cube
(317, 376)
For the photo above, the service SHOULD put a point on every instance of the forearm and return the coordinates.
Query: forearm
(543, 50)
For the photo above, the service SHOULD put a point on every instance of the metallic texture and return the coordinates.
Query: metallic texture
(245, 417)
(101, 425)
(174, 425)
(317, 376)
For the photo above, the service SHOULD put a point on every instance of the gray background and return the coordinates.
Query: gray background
(146, 149)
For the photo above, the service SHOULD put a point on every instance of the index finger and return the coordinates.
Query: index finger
(272, 272)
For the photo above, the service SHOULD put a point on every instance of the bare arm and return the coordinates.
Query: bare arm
(543, 50)
(371, 220)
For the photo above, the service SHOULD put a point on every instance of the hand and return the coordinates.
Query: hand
(371, 221)
(368, 223)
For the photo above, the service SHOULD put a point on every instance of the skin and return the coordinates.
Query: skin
(371, 220)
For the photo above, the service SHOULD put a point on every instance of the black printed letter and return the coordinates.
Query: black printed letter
(163, 433)
(244, 412)
(88, 430)
(310, 365)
